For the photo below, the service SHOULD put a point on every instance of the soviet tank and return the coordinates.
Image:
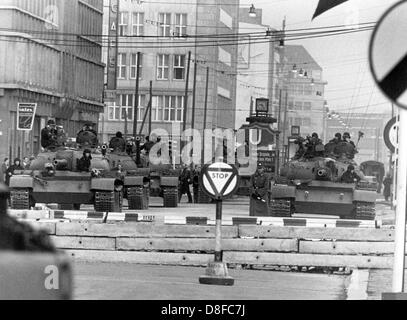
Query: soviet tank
(162, 180)
(53, 177)
(310, 183)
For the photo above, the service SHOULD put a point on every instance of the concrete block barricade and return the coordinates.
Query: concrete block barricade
(207, 245)
(29, 214)
(142, 230)
(351, 234)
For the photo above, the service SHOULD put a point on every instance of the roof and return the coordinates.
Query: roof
(298, 55)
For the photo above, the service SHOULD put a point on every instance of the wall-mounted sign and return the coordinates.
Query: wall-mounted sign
(262, 105)
(25, 116)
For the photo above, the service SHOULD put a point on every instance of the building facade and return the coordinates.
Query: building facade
(371, 145)
(164, 33)
(300, 91)
(50, 54)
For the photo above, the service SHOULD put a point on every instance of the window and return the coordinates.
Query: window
(179, 67)
(138, 23)
(142, 106)
(126, 104)
(290, 105)
(123, 23)
(133, 65)
(307, 89)
(164, 20)
(163, 66)
(168, 108)
(113, 112)
(121, 66)
(307, 105)
(298, 105)
(306, 122)
(180, 25)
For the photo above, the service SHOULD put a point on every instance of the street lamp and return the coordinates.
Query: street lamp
(252, 12)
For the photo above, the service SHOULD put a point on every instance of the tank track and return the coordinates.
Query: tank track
(108, 201)
(280, 208)
(20, 199)
(138, 198)
(170, 196)
(365, 211)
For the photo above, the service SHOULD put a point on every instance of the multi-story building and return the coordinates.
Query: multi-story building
(301, 88)
(164, 33)
(50, 55)
(256, 65)
(371, 145)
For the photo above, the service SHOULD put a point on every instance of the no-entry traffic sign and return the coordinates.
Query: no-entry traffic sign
(388, 54)
(219, 180)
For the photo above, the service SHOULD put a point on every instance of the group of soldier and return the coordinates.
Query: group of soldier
(339, 146)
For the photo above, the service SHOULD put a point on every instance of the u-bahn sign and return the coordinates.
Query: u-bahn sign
(25, 116)
(390, 134)
(388, 54)
(219, 180)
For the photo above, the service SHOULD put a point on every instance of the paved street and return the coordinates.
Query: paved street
(142, 282)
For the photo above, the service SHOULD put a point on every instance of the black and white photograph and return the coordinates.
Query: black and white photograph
(203, 155)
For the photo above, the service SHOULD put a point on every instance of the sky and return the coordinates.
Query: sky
(344, 58)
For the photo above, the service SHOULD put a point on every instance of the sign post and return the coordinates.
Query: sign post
(388, 63)
(218, 181)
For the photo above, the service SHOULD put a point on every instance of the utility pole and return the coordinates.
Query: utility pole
(205, 112)
(277, 167)
(186, 93)
(136, 98)
(285, 121)
(194, 98)
(151, 107)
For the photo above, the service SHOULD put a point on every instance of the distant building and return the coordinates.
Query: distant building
(300, 80)
(256, 66)
(49, 55)
(371, 146)
(164, 33)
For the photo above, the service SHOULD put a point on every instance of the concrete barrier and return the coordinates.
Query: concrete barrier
(34, 276)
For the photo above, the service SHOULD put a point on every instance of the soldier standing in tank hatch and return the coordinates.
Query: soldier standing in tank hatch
(260, 186)
(85, 162)
(49, 135)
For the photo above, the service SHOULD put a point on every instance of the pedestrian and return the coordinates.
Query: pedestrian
(10, 171)
(350, 176)
(260, 187)
(85, 162)
(185, 180)
(26, 163)
(387, 182)
(4, 167)
(195, 183)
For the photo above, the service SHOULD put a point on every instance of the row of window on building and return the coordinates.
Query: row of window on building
(164, 108)
(168, 24)
(168, 66)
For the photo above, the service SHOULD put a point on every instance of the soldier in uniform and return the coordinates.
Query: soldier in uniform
(350, 176)
(49, 135)
(184, 182)
(332, 144)
(350, 147)
(147, 145)
(85, 161)
(87, 136)
(117, 143)
(195, 183)
(260, 186)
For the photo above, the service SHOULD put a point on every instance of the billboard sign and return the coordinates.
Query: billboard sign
(25, 116)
